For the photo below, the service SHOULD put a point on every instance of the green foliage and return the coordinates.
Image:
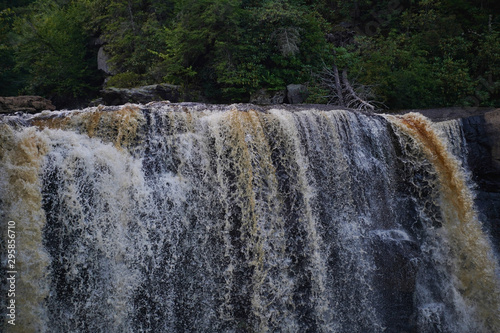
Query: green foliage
(131, 29)
(125, 80)
(399, 73)
(428, 60)
(412, 53)
(317, 94)
(9, 79)
(236, 48)
(51, 47)
(487, 67)
(12, 4)
(200, 32)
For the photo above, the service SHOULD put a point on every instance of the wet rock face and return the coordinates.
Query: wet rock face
(397, 258)
(30, 104)
(482, 133)
(492, 120)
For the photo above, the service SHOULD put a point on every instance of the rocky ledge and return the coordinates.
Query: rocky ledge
(29, 104)
(141, 95)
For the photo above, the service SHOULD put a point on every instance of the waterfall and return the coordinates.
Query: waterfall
(204, 218)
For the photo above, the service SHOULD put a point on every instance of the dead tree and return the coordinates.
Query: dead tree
(340, 90)
(342, 93)
(287, 40)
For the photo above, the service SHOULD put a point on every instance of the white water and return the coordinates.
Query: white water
(193, 218)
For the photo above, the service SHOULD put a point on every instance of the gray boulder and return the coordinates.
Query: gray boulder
(296, 93)
(103, 61)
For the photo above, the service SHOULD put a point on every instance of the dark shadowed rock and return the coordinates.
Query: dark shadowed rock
(296, 93)
(263, 97)
(492, 125)
(482, 133)
(30, 104)
(396, 258)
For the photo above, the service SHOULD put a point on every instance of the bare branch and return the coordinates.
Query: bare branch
(364, 104)
(345, 94)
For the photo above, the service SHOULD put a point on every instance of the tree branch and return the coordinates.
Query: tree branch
(353, 93)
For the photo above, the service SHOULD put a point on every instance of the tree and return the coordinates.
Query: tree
(234, 48)
(411, 53)
(9, 83)
(424, 57)
(52, 47)
(132, 32)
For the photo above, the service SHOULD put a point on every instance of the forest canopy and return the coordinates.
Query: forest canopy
(400, 53)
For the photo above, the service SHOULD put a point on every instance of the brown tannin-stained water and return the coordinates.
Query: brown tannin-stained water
(203, 218)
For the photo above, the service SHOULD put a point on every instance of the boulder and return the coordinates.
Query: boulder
(296, 93)
(103, 61)
(30, 104)
(143, 95)
(263, 97)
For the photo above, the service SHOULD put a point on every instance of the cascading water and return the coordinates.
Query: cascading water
(198, 218)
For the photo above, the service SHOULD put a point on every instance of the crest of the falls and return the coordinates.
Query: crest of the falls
(199, 218)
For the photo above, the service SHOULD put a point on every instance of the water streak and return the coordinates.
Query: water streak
(473, 263)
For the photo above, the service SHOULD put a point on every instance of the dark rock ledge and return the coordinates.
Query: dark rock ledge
(29, 104)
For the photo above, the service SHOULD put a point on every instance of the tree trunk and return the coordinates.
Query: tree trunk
(338, 85)
(353, 93)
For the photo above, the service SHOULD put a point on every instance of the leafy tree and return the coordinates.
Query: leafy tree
(426, 57)
(132, 33)
(13, 4)
(200, 28)
(11, 80)
(52, 47)
(234, 47)
(8, 77)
